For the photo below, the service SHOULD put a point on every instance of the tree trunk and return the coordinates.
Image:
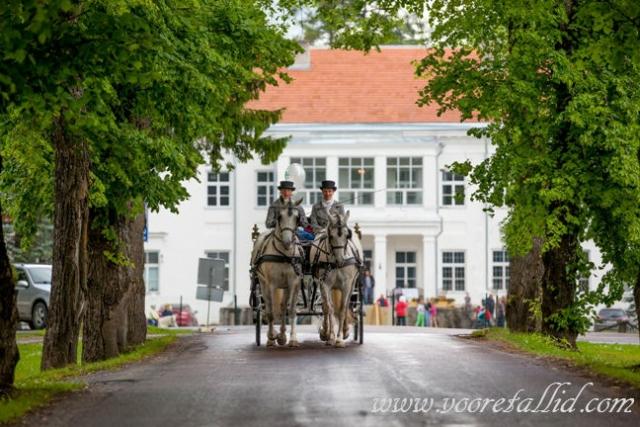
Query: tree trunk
(559, 288)
(105, 324)
(524, 290)
(71, 192)
(9, 354)
(137, 319)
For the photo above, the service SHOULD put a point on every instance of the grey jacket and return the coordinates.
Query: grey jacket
(320, 217)
(274, 209)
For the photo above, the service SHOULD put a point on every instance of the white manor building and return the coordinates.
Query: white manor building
(352, 118)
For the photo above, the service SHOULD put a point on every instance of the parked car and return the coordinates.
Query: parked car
(34, 288)
(609, 319)
(186, 317)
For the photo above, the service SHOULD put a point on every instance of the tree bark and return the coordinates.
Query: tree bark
(137, 319)
(105, 324)
(9, 354)
(71, 191)
(559, 288)
(524, 289)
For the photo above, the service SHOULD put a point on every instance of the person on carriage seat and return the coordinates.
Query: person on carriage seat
(286, 189)
(320, 211)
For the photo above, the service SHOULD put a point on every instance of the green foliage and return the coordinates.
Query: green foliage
(558, 84)
(155, 88)
(38, 249)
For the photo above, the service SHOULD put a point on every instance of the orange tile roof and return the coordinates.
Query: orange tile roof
(350, 87)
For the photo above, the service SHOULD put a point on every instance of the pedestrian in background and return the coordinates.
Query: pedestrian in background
(420, 313)
(368, 283)
(433, 312)
(401, 312)
(382, 301)
(501, 312)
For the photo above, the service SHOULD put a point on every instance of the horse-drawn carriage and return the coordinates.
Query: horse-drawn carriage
(319, 278)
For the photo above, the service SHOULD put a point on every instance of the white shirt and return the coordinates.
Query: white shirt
(327, 204)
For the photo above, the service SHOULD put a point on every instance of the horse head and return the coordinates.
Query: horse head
(339, 236)
(287, 223)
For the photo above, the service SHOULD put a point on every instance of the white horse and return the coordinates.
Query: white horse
(336, 256)
(277, 259)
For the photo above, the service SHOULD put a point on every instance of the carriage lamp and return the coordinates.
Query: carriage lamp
(255, 232)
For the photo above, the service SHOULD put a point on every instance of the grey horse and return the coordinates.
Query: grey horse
(336, 256)
(276, 259)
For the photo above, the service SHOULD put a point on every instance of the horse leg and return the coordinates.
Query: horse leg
(324, 328)
(282, 336)
(327, 304)
(342, 316)
(269, 297)
(293, 300)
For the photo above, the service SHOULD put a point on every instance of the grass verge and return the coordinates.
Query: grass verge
(35, 388)
(620, 362)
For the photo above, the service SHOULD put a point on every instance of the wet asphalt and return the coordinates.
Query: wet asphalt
(223, 379)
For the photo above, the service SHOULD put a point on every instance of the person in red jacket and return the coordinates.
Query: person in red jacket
(401, 312)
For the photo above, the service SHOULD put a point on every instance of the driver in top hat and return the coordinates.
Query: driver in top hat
(320, 211)
(286, 189)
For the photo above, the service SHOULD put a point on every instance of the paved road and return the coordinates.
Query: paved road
(222, 379)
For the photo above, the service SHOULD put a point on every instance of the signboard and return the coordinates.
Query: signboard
(209, 294)
(211, 272)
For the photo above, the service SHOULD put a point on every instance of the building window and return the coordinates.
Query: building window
(452, 189)
(223, 255)
(315, 169)
(405, 269)
(152, 270)
(453, 271)
(266, 187)
(404, 180)
(218, 189)
(501, 271)
(355, 180)
(583, 280)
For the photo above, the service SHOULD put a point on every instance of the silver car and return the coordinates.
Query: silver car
(34, 287)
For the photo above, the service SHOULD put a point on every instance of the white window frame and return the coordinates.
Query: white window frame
(505, 270)
(359, 189)
(269, 186)
(215, 254)
(218, 185)
(148, 266)
(455, 181)
(454, 265)
(405, 266)
(313, 178)
(404, 190)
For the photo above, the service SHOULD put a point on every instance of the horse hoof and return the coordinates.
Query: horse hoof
(270, 343)
(345, 334)
(294, 343)
(282, 339)
(323, 336)
(331, 342)
(340, 344)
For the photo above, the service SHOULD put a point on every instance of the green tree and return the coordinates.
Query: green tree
(129, 95)
(557, 83)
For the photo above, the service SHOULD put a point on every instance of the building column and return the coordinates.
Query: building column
(429, 267)
(380, 265)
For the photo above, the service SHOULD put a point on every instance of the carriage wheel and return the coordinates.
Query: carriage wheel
(258, 326)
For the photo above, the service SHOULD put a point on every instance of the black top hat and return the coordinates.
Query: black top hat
(286, 185)
(329, 184)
